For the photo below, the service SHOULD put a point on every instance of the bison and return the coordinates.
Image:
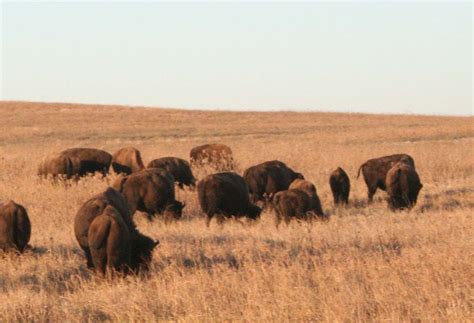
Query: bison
(225, 195)
(152, 191)
(127, 160)
(15, 227)
(300, 201)
(59, 167)
(88, 160)
(340, 186)
(375, 170)
(109, 241)
(268, 178)
(403, 186)
(140, 246)
(218, 156)
(179, 168)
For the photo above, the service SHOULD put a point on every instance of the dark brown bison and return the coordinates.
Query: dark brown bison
(127, 160)
(109, 241)
(267, 178)
(225, 195)
(59, 167)
(141, 246)
(217, 156)
(152, 191)
(15, 227)
(340, 186)
(403, 186)
(300, 202)
(90, 160)
(375, 170)
(177, 167)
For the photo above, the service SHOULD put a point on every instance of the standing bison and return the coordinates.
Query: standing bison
(90, 160)
(75, 162)
(268, 178)
(375, 170)
(152, 191)
(340, 186)
(218, 156)
(403, 186)
(300, 201)
(225, 195)
(109, 242)
(15, 227)
(127, 160)
(59, 167)
(179, 168)
(109, 238)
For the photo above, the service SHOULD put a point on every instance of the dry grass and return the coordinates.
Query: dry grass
(365, 264)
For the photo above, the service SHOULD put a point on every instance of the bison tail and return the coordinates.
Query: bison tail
(358, 172)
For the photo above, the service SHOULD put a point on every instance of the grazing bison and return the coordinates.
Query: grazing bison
(300, 201)
(403, 186)
(177, 167)
(15, 227)
(375, 170)
(340, 186)
(217, 156)
(90, 160)
(141, 246)
(267, 178)
(59, 167)
(109, 241)
(127, 160)
(152, 191)
(225, 195)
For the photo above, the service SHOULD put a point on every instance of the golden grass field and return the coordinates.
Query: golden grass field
(365, 264)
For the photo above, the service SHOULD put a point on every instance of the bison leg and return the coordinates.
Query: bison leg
(208, 220)
(371, 193)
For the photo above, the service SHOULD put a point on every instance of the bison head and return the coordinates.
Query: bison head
(254, 212)
(174, 210)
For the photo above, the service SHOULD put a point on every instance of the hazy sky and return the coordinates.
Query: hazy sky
(364, 57)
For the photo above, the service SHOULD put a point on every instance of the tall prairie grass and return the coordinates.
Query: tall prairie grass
(365, 264)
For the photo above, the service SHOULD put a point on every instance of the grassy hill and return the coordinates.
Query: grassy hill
(366, 263)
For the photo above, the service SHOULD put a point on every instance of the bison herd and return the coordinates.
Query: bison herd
(104, 226)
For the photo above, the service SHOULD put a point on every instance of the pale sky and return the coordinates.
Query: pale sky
(372, 57)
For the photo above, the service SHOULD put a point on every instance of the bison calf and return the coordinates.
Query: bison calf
(340, 186)
(179, 168)
(15, 227)
(225, 195)
(403, 186)
(300, 201)
(127, 160)
(375, 170)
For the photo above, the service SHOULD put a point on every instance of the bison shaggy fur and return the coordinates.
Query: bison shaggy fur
(179, 168)
(225, 195)
(403, 186)
(375, 170)
(218, 156)
(15, 227)
(152, 191)
(268, 178)
(141, 246)
(88, 160)
(127, 160)
(300, 201)
(109, 241)
(340, 186)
